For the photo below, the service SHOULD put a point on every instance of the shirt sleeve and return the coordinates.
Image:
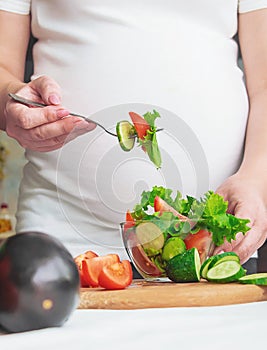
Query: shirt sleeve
(21, 7)
(251, 5)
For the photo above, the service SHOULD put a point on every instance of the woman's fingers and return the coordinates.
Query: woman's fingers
(51, 136)
(246, 245)
(227, 246)
(48, 89)
(47, 128)
(57, 142)
(28, 118)
(249, 244)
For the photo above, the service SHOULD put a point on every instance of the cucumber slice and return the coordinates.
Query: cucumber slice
(217, 259)
(184, 267)
(227, 271)
(125, 131)
(150, 236)
(205, 267)
(173, 247)
(256, 278)
(226, 256)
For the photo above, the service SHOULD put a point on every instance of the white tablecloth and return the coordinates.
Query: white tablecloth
(242, 326)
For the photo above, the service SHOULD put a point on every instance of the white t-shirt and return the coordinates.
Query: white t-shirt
(177, 56)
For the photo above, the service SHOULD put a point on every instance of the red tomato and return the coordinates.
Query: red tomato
(140, 124)
(161, 206)
(201, 240)
(129, 221)
(116, 276)
(78, 260)
(92, 267)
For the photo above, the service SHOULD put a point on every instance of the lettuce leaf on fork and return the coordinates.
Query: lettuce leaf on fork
(150, 143)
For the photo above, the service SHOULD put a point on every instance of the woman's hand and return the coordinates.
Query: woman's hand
(245, 200)
(42, 129)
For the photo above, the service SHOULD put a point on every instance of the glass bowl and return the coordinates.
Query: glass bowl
(145, 244)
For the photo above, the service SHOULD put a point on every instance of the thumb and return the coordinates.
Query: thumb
(48, 89)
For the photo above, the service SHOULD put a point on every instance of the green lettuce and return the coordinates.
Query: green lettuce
(208, 212)
(150, 143)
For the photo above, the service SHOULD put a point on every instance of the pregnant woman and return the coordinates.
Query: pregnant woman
(102, 58)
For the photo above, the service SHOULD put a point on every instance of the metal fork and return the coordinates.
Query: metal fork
(27, 102)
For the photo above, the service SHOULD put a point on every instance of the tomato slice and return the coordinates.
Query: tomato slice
(92, 267)
(78, 260)
(129, 221)
(87, 255)
(140, 124)
(202, 240)
(160, 205)
(140, 258)
(116, 276)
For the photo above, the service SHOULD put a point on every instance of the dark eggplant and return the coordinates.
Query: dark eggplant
(39, 282)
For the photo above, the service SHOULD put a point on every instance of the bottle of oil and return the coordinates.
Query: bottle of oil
(5, 219)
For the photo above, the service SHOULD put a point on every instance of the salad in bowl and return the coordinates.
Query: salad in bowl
(166, 225)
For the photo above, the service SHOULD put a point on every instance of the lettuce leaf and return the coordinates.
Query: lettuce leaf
(209, 212)
(150, 143)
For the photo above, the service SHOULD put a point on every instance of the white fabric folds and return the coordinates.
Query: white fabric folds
(17, 6)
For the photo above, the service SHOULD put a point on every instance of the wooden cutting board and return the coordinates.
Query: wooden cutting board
(142, 294)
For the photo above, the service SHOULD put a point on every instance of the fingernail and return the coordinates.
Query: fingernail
(54, 99)
(62, 113)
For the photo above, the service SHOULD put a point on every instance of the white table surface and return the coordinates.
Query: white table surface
(242, 326)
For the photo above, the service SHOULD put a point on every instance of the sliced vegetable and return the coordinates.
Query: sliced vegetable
(256, 278)
(209, 212)
(201, 223)
(92, 267)
(161, 206)
(225, 272)
(126, 135)
(129, 221)
(226, 256)
(78, 261)
(140, 124)
(150, 236)
(116, 276)
(143, 263)
(202, 240)
(184, 267)
(146, 132)
(217, 259)
(205, 267)
(140, 258)
(173, 247)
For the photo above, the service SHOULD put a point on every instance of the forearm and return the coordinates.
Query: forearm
(8, 83)
(255, 151)
(12, 55)
(253, 42)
